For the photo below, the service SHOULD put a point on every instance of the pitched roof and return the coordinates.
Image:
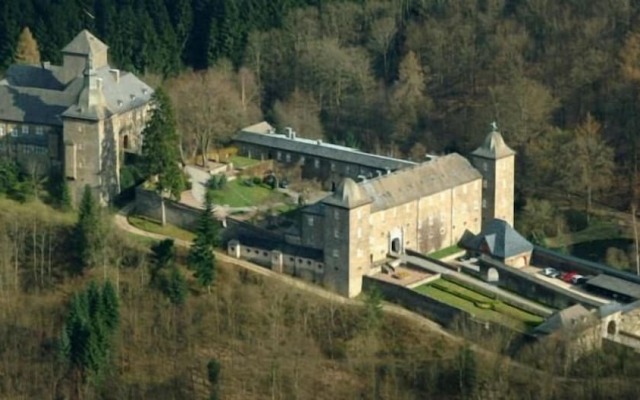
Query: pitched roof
(493, 147)
(45, 106)
(616, 285)
(418, 181)
(502, 240)
(84, 43)
(259, 135)
(43, 77)
(570, 317)
(348, 195)
(287, 248)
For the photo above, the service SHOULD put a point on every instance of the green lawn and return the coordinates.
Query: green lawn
(148, 225)
(237, 194)
(479, 305)
(447, 251)
(242, 162)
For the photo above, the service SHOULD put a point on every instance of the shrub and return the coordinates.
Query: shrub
(576, 220)
(256, 180)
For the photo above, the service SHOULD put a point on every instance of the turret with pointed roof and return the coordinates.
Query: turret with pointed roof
(496, 162)
(75, 55)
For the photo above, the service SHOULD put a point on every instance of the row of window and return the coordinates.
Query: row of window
(24, 129)
(28, 149)
(316, 163)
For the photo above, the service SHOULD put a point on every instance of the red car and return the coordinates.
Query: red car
(568, 276)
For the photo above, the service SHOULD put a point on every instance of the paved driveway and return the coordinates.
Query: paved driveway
(198, 179)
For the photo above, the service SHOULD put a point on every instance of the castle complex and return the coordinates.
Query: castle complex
(380, 205)
(79, 118)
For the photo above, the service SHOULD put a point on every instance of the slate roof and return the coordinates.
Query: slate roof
(348, 195)
(45, 106)
(84, 43)
(419, 181)
(258, 135)
(616, 285)
(503, 241)
(493, 147)
(43, 77)
(570, 317)
(289, 249)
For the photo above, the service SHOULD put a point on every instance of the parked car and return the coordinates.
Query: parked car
(568, 276)
(550, 272)
(579, 279)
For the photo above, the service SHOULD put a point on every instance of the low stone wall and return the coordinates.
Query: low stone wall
(307, 269)
(525, 285)
(548, 258)
(442, 313)
(149, 204)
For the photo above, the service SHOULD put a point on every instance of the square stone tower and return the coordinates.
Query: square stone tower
(346, 239)
(496, 162)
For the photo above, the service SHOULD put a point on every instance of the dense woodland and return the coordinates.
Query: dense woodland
(86, 314)
(400, 77)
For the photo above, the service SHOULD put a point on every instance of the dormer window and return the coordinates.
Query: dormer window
(144, 90)
(119, 103)
(25, 129)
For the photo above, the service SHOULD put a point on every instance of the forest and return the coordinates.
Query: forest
(400, 77)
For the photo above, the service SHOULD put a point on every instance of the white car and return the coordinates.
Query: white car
(551, 272)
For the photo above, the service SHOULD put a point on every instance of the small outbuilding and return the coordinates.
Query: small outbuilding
(500, 241)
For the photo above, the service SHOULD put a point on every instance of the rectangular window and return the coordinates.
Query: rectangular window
(14, 131)
(359, 233)
(336, 215)
(301, 160)
(278, 156)
(335, 253)
(484, 203)
(347, 169)
(485, 166)
(1, 130)
(288, 157)
(333, 167)
(484, 183)
(359, 253)
(310, 221)
(316, 163)
(336, 233)
(25, 129)
(430, 220)
(359, 213)
(39, 130)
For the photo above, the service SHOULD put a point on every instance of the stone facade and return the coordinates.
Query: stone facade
(382, 205)
(80, 117)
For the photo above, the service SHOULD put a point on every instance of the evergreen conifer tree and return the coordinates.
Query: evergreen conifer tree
(160, 149)
(176, 287)
(201, 258)
(88, 230)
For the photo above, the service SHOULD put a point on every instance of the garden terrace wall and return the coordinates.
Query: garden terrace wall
(525, 285)
(548, 258)
(148, 203)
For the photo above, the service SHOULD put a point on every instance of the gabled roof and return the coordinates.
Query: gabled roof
(493, 147)
(419, 181)
(616, 285)
(85, 43)
(501, 239)
(347, 195)
(572, 317)
(43, 77)
(259, 135)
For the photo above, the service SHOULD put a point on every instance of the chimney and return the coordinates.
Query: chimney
(288, 131)
(319, 142)
(116, 74)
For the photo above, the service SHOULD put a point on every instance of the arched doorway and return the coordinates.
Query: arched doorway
(395, 241)
(333, 186)
(125, 142)
(395, 245)
(612, 329)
